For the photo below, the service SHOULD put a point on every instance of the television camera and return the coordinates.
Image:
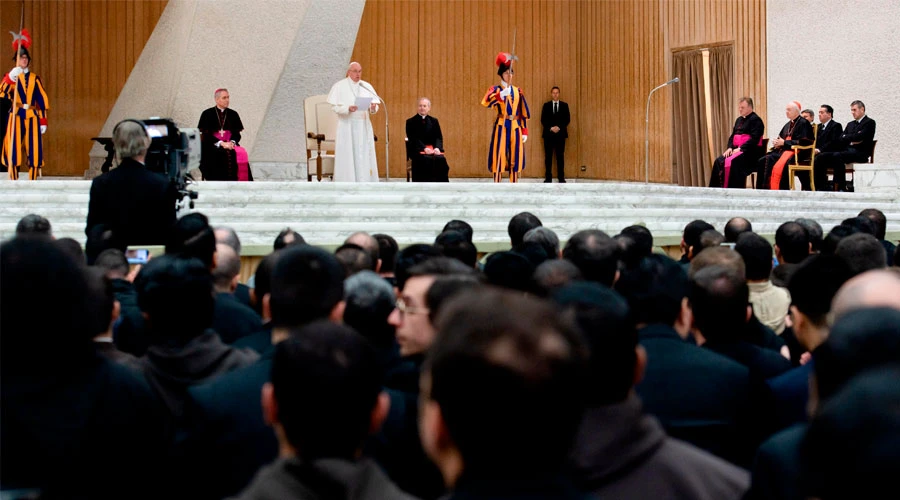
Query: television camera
(175, 153)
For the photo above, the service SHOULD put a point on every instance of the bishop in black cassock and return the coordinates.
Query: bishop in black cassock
(219, 160)
(425, 146)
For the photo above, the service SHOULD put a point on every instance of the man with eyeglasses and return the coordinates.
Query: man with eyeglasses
(411, 317)
(400, 452)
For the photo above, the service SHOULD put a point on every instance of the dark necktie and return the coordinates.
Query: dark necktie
(555, 108)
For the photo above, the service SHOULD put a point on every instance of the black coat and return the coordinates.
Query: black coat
(559, 119)
(828, 139)
(863, 132)
(227, 438)
(136, 204)
(699, 396)
(233, 320)
(422, 132)
(92, 430)
(219, 164)
(753, 125)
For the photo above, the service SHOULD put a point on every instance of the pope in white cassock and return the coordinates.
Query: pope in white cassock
(354, 155)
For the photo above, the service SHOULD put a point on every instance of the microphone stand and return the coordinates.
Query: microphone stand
(647, 130)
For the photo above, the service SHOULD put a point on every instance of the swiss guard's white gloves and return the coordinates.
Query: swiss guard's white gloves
(505, 92)
(43, 129)
(15, 72)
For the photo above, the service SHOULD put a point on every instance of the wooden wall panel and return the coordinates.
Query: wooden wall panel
(83, 51)
(605, 55)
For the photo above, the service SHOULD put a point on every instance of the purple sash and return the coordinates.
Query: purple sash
(738, 141)
(243, 161)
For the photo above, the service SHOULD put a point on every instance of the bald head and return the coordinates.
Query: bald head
(876, 288)
(228, 267)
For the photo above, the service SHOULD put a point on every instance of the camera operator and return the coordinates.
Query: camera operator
(137, 205)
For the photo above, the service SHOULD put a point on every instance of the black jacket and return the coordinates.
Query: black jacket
(828, 139)
(136, 204)
(560, 119)
(863, 132)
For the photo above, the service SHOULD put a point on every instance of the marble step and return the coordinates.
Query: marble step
(325, 213)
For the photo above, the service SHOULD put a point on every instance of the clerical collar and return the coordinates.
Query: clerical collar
(423, 116)
(220, 109)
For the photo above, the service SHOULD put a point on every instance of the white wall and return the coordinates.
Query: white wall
(834, 52)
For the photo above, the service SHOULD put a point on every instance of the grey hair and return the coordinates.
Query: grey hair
(229, 238)
(219, 92)
(130, 139)
(366, 288)
(228, 265)
(423, 99)
(545, 237)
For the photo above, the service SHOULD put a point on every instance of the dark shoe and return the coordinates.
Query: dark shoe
(562, 181)
(547, 181)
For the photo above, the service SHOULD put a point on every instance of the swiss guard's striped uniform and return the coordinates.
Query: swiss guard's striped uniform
(507, 152)
(24, 123)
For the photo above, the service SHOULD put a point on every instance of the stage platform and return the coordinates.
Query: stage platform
(325, 213)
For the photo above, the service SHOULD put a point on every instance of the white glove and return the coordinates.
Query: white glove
(505, 92)
(15, 72)
(43, 129)
(524, 139)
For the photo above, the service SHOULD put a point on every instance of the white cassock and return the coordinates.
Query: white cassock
(354, 147)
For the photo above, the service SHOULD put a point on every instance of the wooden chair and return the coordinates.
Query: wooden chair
(804, 165)
(321, 129)
(850, 169)
(752, 176)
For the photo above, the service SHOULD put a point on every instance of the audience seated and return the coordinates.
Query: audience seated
(466, 390)
(595, 254)
(792, 245)
(73, 424)
(698, 395)
(502, 392)
(232, 320)
(333, 370)
(228, 440)
(880, 221)
(621, 452)
(175, 294)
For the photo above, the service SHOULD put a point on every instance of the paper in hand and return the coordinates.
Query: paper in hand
(363, 102)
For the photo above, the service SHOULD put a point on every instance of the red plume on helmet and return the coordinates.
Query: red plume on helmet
(503, 59)
(24, 37)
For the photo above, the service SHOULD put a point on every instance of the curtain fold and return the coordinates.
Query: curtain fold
(692, 164)
(722, 98)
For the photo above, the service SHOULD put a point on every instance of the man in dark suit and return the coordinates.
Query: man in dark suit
(855, 145)
(827, 141)
(555, 118)
(137, 205)
(425, 146)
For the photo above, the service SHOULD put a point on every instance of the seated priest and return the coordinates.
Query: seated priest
(223, 158)
(772, 169)
(425, 146)
(744, 149)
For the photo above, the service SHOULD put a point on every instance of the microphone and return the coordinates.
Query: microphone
(647, 128)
